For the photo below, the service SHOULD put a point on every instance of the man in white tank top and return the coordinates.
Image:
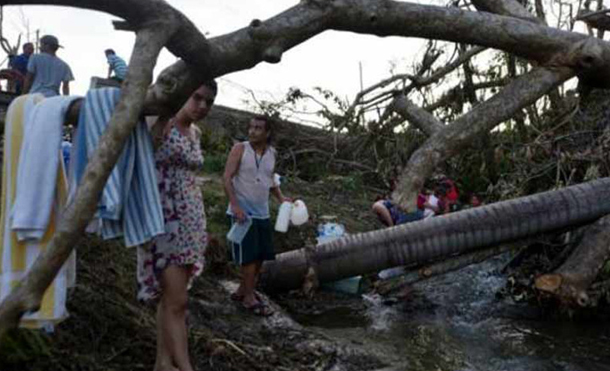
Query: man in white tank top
(248, 181)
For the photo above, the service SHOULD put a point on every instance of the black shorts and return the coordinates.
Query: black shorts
(257, 244)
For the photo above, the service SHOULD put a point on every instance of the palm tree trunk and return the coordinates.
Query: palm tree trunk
(440, 237)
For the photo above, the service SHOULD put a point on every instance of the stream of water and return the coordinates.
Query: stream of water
(454, 322)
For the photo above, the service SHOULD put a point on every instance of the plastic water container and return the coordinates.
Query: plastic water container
(351, 285)
(299, 213)
(238, 230)
(283, 217)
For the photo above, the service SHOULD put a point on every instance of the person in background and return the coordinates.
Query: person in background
(248, 182)
(117, 65)
(19, 64)
(47, 72)
(475, 201)
(451, 194)
(168, 266)
(390, 215)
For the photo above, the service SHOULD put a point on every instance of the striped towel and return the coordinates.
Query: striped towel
(130, 206)
(16, 257)
(38, 163)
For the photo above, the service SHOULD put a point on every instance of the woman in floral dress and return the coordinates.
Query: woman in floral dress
(167, 267)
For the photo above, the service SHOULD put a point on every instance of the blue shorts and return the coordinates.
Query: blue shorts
(399, 217)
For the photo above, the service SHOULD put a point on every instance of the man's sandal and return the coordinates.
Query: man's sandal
(260, 309)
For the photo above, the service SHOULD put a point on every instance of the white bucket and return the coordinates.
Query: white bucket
(283, 217)
(299, 213)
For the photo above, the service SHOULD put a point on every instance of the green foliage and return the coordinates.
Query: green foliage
(215, 207)
(215, 148)
(215, 163)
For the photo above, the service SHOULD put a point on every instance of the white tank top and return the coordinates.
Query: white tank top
(253, 181)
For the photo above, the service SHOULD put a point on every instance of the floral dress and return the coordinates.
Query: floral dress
(177, 159)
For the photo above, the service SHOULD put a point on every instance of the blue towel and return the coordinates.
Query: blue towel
(38, 167)
(129, 206)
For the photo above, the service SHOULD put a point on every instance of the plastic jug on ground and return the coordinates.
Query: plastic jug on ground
(238, 230)
(283, 217)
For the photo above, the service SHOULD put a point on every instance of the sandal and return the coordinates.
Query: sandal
(260, 309)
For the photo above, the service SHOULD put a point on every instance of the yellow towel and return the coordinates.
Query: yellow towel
(16, 257)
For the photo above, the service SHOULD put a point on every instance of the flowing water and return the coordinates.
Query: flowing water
(454, 322)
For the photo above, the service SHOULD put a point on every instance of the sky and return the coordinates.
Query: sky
(330, 60)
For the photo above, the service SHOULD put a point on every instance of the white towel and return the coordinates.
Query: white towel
(16, 257)
(38, 164)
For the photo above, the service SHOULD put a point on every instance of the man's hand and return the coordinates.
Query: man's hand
(238, 213)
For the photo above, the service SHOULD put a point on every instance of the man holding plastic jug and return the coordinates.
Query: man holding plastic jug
(248, 181)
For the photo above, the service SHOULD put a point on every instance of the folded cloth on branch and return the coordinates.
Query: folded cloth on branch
(16, 257)
(38, 164)
(129, 206)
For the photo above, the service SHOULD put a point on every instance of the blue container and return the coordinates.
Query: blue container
(348, 286)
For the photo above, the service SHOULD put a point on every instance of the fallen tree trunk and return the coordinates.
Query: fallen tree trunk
(440, 237)
(572, 279)
(450, 265)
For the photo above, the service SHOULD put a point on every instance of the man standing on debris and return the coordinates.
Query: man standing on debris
(248, 180)
(46, 72)
(116, 64)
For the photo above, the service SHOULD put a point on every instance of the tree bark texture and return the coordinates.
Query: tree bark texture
(441, 237)
(28, 295)
(572, 279)
(509, 8)
(417, 116)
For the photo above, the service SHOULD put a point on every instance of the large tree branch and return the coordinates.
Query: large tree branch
(267, 41)
(571, 281)
(28, 295)
(522, 92)
(417, 116)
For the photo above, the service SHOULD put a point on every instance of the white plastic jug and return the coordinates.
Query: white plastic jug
(299, 213)
(283, 217)
(238, 230)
